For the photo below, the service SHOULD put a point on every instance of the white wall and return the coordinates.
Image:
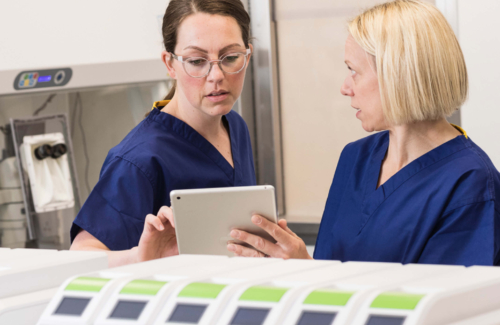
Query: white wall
(479, 35)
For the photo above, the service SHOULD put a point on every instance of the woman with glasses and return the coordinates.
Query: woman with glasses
(191, 139)
(419, 191)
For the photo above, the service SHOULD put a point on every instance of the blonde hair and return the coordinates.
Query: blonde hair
(420, 66)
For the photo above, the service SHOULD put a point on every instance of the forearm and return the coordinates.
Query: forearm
(115, 258)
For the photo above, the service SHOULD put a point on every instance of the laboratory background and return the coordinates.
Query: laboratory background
(80, 75)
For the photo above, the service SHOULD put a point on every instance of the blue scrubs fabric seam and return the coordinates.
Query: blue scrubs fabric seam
(148, 177)
(491, 187)
(179, 136)
(139, 231)
(466, 202)
(142, 125)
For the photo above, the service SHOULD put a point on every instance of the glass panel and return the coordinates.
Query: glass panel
(385, 320)
(184, 313)
(250, 316)
(72, 306)
(316, 318)
(128, 309)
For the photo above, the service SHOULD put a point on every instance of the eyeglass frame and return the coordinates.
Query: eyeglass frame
(181, 59)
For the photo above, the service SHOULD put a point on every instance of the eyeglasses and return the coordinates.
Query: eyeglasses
(198, 67)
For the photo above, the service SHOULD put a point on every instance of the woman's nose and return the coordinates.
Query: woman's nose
(216, 73)
(346, 88)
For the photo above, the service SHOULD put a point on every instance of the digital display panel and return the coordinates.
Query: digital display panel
(72, 306)
(127, 309)
(250, 316)
(385, 320)
(316, 318)
(187, 313)
(44, 78)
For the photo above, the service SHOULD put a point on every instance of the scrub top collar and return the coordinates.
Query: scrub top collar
(185, 131)
(374, 197)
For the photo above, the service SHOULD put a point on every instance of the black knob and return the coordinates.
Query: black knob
(58, 150)
(43, 151)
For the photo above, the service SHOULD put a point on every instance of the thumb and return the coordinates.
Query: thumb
(166, 215)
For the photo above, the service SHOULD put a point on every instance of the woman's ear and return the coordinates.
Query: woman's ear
(167, 59)
(250, 46)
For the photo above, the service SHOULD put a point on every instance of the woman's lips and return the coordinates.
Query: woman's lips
(217, 98)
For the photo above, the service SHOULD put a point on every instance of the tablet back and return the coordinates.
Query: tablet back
(204, 217)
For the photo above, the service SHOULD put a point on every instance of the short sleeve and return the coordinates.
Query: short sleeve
(323, 248)
(116, 208)
(468, 235)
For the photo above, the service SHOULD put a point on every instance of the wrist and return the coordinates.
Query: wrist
(134, 255)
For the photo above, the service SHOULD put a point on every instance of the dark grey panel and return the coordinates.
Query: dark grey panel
(316, 318)
(250, 316)
(72, 306)
(307, 231)
(385, 320)
(127, 309)
(187, 313)
(34, 79)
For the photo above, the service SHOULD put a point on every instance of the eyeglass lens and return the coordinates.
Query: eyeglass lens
(198, 67)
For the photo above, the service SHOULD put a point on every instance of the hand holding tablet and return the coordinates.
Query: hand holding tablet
(286, 244)
(204, 218)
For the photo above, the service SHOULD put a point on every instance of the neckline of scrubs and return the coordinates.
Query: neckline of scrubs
(185, 131)
(373, 197)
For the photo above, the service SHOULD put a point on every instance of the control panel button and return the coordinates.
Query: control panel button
(59, 77)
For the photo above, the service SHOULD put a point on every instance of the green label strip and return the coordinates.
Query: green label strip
(396, 300)
(202, 290)
(143, 287)
(328, 297)
(87, 284)
(263, 293)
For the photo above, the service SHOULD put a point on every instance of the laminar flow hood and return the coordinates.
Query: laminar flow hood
(63, 44)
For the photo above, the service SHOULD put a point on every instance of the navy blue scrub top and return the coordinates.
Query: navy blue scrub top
(441, 208)
(159, 155)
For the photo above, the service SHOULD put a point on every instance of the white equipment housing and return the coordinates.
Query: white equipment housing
(29, 279)
(204, 289)
(440, 299)
(252, 296)
(144, 304)
(190, 303)
(80, 300)
(342, 298)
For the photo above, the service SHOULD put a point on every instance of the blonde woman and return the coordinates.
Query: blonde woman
(420, 191)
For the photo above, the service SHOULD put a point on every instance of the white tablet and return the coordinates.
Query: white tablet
(205, 217)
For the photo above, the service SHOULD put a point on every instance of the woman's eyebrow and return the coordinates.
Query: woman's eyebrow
(225, 48)
(195, 48)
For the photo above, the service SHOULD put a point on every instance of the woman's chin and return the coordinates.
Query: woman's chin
(219, 110)
(367, 127)
(373, 127)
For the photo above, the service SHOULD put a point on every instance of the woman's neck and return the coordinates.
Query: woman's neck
(207, 126)
(409, 141)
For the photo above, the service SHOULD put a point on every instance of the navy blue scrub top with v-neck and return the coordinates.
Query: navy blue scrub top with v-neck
(442, 208)
(159, 155)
